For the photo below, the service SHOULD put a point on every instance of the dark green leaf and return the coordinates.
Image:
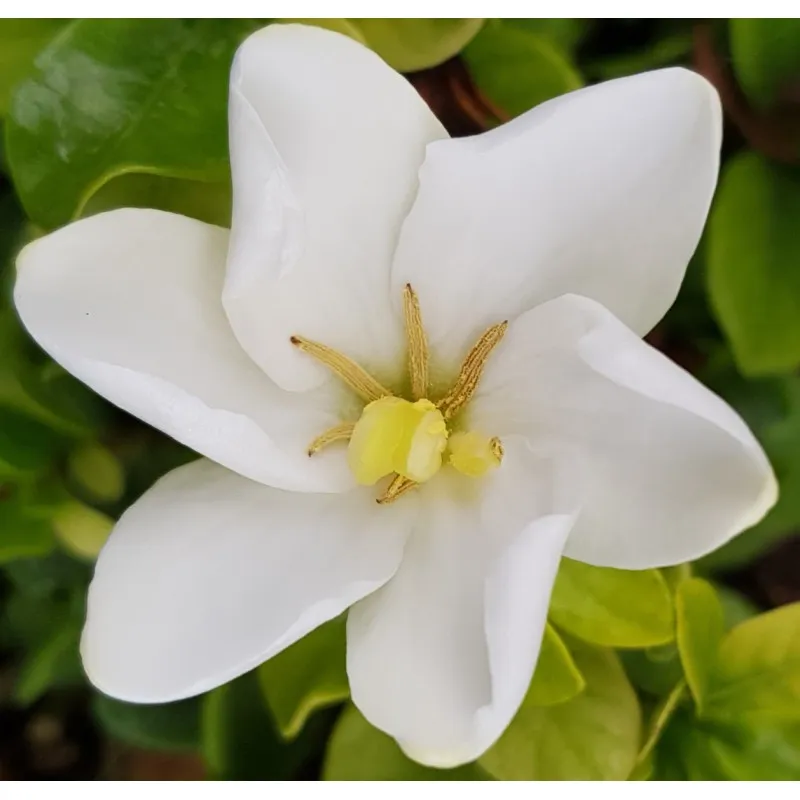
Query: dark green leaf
(21, 534)
(118, 96)
(612, 607)
(594, 736)
(359, 752)
(173, 726)
(753, 250)
(518, 68)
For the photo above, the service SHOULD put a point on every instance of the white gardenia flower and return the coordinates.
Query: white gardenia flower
(369, 253)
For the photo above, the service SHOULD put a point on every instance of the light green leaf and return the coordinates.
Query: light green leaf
(117, 96)
(21, 534)
(757, 680)
(753, 249)
(612, 607)
(97, 472)
(766, 57)
(556, 678)
(81, 529)
(308, 675)
(413, 44)
(594, 736)
(359, 752)
(172, 726)
(20, 41)
(517, 68)
(700, 627)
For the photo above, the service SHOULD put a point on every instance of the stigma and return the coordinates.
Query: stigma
(410, 439)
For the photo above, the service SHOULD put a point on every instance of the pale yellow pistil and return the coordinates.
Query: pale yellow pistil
(409, 438)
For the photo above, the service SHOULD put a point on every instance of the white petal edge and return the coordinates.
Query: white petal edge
(129, 302)
(326, 142)
(210, 574)
(671, 471)
(441, 657)
(602, 192)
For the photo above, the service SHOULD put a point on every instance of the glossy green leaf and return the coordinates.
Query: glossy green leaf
(557, 678)
(700, 626)
(413, 44)
(172, 726)
(239, 739)
(308, 675)
(117, 96)
(20, 42)
(757, 679)
(753, 248)
(594, 736)
(518, 68)
(358, 752)
(22, 535)
(612, 607)
(766, 57)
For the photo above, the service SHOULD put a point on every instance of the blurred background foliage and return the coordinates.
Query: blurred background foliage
(691, 673)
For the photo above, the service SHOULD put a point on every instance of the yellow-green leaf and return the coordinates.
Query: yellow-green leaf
(557, 678)
(594, 736)
(700, 627)
(612, 607)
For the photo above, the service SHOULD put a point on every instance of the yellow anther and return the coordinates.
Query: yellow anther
(397, 487)
(335, 434)
(417, 344)
(471, 370)
(395, 435)
(473, 454)
(356, 377)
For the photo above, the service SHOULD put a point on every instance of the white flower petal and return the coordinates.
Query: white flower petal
(326, 142)
(209, 574)
(441, 657)
(129, 302)
(602, 192)
(671, 472)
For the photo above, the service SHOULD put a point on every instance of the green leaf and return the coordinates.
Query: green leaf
(117, 96)
(22, 535)
(556, 678)
(27, 447)
(413, 44)
(81, 529)
(612, 607)
(358, 752)
(766, 57)
(700, 627)
(757, 680)
(654, 670)
(669, 49)
(736, 607)
(595, 736)
(518, 68)
(566, 33)
(239, 739)
(308, 675)
(753, 250)
(172, 726)
(20, 41)
(659, 719)
(97, 472)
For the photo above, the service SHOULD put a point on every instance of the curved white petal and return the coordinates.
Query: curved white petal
(602, 192)
(129, 302)
(209, 574)
(326, 141)
(671, 472)
(441, 657)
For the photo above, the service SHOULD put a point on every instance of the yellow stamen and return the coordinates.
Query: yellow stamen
(417, 344)
(398, 486)
(356, 377)
(471, 370)
(395, 435)
(334, 434)
(473, 454)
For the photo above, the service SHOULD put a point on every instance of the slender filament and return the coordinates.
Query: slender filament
(397, 487)
(356, 377)
(417, 344)
(471, 370)
(334, 434)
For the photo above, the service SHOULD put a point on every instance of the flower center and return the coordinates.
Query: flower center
(410, 438)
